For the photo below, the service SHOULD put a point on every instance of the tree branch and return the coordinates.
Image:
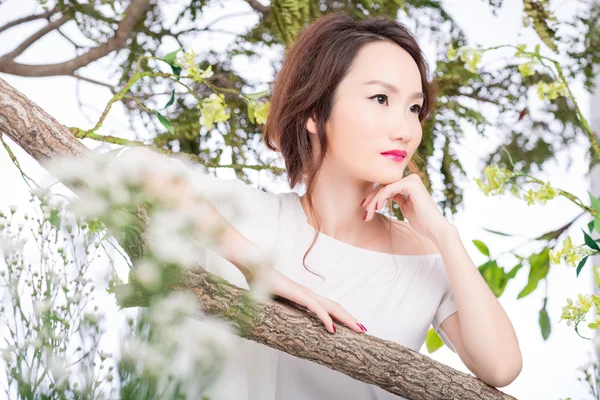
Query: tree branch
(133, 13)
(29, 18)
(279, 324)
(264, 10)
(34, 38)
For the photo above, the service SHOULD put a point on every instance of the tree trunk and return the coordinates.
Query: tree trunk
(279, 323)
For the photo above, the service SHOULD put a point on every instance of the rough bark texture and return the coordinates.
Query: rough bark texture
(279, 324)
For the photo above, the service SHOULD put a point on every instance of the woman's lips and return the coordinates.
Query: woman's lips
(393, 157)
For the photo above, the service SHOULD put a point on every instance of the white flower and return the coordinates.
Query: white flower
(11, 245)
(148, 274)
(168, 240)
(90, 205)
(41, 307)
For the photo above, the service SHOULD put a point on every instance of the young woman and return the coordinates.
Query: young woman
(346, 114)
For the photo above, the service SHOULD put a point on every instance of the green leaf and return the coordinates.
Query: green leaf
(597, 224)
(581, 264)
(176, 70)
(254, 96)
(544, 321)
(539, 265)
(482, 247)
(165, 122)
(171, 100)
(170, 58)
(590, 226)
(497, 232)
(251, 111)
(54, 219)
(590, 242)
(597, 276)
(433, 341)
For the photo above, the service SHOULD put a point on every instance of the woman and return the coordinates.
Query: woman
(346, 114)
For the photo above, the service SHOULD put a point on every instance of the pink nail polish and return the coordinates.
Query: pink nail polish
(334, 330)
(365, 216)
(363, 202)
(376, 206)
(363, 327)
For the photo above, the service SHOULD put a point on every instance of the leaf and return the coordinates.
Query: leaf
(590, 226)
(254, 96)
(539, 265)
(589, 241)
(170, 58)
(171, 100)
(581, 264)
(176, 70)
(544, 321)
(597, 224)
(433, 341)
(251, 111)
(54, 219)
(597, 276)
(165, 122)
(497, 232)
(482, 247)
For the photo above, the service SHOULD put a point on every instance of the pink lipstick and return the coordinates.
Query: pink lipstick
(395, 155)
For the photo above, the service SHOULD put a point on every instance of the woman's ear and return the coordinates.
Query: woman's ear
(311, 125)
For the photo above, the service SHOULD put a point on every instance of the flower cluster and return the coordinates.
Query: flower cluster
(213, 109)
(544, 193)
(471, 57)
(495, 181)
(575, 312)
(571, 254)
(552, 90)
(189, 64)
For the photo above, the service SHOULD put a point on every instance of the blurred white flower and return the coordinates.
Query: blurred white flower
(148, 274)
(90, 205)
(10, 245)
(170, 240)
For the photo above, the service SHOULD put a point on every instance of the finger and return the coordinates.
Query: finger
(343, 316)
(370, 202)
(321, 313)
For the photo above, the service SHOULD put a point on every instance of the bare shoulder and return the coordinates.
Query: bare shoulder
(405, 237)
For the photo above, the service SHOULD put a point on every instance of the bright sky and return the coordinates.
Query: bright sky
(550, 368)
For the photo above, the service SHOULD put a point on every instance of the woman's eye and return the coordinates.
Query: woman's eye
(378, 96)
(418, 108)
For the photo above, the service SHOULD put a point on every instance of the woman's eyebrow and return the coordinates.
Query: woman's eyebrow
(393, 89)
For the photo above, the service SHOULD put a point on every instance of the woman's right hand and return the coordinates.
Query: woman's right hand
(322, 307)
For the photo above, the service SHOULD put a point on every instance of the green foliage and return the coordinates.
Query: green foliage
(433, 341)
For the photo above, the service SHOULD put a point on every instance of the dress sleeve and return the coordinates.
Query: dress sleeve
(252, 211)
(446, 308)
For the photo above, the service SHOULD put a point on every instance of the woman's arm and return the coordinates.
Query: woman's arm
(480, 331)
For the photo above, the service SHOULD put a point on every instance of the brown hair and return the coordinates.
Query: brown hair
(306, 84)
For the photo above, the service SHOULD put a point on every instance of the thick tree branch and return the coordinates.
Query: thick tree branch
(34, 38)
(29, 18)
(264, 10)
(279, 324)
(134, 12)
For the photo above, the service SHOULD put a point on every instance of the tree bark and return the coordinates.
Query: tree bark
(277, 323)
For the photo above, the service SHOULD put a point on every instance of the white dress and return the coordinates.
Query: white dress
(396, 297)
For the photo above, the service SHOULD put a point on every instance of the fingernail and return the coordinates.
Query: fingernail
(376, 206)
(363, 202)
(334, 330)
(365, 216)
(362, 326)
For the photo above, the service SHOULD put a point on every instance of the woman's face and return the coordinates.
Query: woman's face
(369, 118)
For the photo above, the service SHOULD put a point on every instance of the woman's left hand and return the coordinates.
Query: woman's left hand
(414, 201)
